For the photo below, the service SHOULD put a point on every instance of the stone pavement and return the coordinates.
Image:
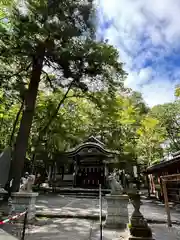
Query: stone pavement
(61, 229)
(155, 212)
(162, 232)
(69, 206)
(61, 206)
(5, 236)
(87, 229)
(81, 229)
(72, 229)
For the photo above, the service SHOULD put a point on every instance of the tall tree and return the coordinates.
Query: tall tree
(59, 36)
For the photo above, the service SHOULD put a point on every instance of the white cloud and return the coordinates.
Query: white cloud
(145, 74)
(139, 78)
(158, 92)
(137, 16)
(146, 32)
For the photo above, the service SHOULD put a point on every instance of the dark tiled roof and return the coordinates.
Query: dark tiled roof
(164, 164)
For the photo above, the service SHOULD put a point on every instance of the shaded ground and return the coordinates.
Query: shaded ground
(73, 228)
(162, 232)
(65, 229)
(60, 205)
(61, 229)
(81, 229)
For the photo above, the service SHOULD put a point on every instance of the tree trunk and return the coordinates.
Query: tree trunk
(15, 124)
(26, 120)
(148, 185)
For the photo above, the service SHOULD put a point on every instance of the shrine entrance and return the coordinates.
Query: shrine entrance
(90, 161)
(90, 176)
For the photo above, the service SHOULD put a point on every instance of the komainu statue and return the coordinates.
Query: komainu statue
(116, 187)
(27, 184)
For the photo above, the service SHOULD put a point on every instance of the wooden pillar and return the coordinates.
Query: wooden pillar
(148, 185)
(160, 183)
(166, 203)
(103, 177)
(54, 171)
(62, 172)
(151, 181)
(105, 174)
(75, 171)
(49, 173)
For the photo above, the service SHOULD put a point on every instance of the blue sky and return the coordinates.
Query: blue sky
(147, 35)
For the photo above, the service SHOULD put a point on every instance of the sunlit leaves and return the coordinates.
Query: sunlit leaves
(169, 120)
(177, 91)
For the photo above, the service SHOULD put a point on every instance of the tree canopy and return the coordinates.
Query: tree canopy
(59, 85)
(56, 37)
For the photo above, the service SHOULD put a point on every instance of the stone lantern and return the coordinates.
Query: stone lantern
(139, 228)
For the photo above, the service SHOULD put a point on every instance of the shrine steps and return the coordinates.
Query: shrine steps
(81, 192)
(66, 184)
(78, 192)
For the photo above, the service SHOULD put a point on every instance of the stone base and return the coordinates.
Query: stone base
(114, 225)
(117, 212)
(4, 208)
(25, 200)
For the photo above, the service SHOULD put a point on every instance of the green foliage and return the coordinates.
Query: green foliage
(177, 91)
(117, 120)
(71, 50)
(114, 119)
(81, 91)
(168, 116)
(8, 110)
(57, 37)
(150, 137)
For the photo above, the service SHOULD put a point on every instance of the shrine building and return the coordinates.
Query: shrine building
(85, 166)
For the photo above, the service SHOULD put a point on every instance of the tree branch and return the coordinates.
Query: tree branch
(49, 80)
(57, 109)
(17, 73)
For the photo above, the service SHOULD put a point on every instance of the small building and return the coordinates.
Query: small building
(166, 167)
(85, 166)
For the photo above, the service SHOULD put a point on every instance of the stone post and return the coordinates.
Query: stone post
(4, 207)
(117, 211)
(138, 226)
(25, 200)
